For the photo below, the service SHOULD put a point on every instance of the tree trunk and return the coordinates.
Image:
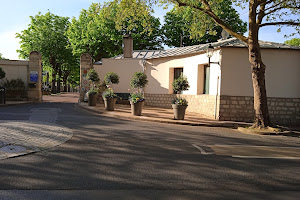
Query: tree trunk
(262, 118)
(53, 87)
(54, 72)
(65, 78)
(58, 81)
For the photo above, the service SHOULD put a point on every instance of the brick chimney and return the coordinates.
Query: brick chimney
(128, 46)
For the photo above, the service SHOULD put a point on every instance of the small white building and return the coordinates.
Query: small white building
(221, 89)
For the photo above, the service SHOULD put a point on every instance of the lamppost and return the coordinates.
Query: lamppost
(209, 54)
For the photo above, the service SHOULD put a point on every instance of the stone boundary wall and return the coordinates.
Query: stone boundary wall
(202, 104)
(20, 69)
(283, 111)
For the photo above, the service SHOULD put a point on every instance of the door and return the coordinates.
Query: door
(206, 79)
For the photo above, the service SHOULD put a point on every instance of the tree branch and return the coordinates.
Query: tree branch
(261, 13)
(220, 22)
(272, 11)
(273, 6)
(280, 23)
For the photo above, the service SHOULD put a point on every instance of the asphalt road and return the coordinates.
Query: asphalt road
(109, 158)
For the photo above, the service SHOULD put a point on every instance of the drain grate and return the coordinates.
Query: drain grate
(12, 149)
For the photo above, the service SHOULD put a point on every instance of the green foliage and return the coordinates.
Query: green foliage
(180, 84)
(136, 96)
(47, 35)
(1, 57)
(178, 23)
(294, 41)
(14, 84)
(99, 32)
(180, 101)
(2, 73)
(109, 93)
(15, 88)
(111, 78)
(139, 80)
(92, 75)
(92, 92)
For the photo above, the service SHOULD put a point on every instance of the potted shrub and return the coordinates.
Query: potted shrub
(93, 77)
(179, 104)
(109, 96)
(138, 81)
(92, 94)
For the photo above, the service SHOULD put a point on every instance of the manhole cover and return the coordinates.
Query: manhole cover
(12, 149)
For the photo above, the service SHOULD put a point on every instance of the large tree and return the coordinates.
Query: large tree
(46, 34)
(294, 41)
(97, 33)
(261, 13)
(177, 25)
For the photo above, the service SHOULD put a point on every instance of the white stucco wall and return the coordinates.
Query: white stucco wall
(282, 72)
(15, 70)
(160, 75)
(125, 68)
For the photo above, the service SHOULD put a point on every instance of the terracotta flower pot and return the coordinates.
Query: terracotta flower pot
(136, 108)
(179, 111)
(92, 100)
(109, 103)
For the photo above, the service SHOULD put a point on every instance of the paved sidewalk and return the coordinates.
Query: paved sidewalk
(23, 137)
(161, 115)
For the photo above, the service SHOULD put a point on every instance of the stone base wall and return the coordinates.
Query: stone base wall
(202, 104)
(283, 111)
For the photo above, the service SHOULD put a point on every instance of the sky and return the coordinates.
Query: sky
(14, 17)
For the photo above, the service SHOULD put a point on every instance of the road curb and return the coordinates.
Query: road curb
(16, 104)
(148, 119)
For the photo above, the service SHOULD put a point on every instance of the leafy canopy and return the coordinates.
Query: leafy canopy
(178, 22)
(99, 32)
(294, 41)
(47, 34)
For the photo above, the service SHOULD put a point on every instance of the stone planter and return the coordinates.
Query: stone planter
(179, 111)
(136, 108)
(109, 103)
(92, 100)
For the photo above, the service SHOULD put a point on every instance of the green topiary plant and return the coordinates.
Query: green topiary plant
(139, 80)
(111, 78)
(92, 76)
(180, 84)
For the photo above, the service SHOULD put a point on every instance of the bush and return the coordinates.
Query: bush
(92, 92)
(15, 89)
(111, 78)
(92, 75)
(2, 73)
(136, 97)
(139, 80)
(14, 84)
(180, 84)
(109, 94)
(180, 101)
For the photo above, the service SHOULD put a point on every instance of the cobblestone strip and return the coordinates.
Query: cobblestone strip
(24, 137)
